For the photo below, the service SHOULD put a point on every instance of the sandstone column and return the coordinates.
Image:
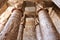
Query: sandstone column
(47, 28)
(4, 17)
(11, 28)
(21, 29)
(38, 30)
(29, 30)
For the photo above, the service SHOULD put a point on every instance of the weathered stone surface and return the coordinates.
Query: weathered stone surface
(21, 29)
(38, 30)
(11, 28)
(3, 8)
(55, 18)
(29, 9)
(31, 0)
(20, 32)
(47, 28)
(4, 17)
(28, 12)
(13, 2)
(44, 31)
(29, 31)
(2, 2)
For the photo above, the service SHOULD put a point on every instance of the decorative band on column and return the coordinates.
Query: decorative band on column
(42, 9)
(17, 9)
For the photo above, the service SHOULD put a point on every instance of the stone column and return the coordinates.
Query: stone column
(38, 30)
(29, 30)
(47, 28)
(11, 28)
(21, 29)
(4, 17)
